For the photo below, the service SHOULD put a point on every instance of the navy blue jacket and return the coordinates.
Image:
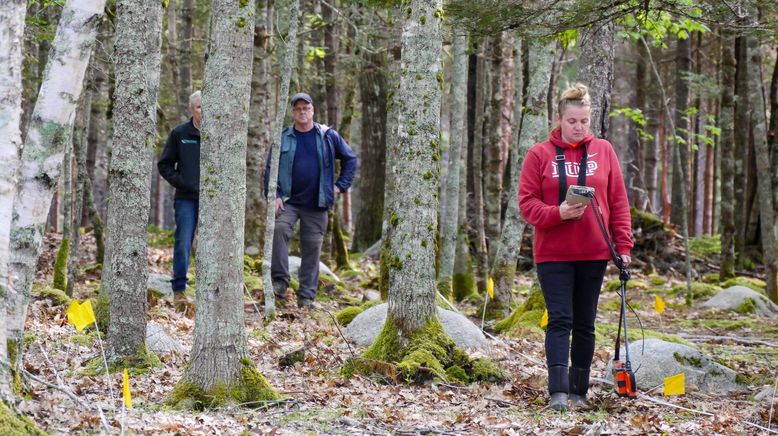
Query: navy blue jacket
(179, 162)
(329, 146)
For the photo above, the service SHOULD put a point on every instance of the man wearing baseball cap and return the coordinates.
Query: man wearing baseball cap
(306, 190)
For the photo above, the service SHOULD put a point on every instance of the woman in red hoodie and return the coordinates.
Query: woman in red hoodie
(570, 251)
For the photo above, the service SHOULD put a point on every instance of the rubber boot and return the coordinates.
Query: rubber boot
(558, 387)
(579, 386)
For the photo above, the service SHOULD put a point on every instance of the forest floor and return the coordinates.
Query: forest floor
(321, 401)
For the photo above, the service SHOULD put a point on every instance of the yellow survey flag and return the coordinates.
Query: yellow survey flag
(126, 390)
(659, 304)
(544, 320)
(675, 385)
(490, 287)
(80, 315)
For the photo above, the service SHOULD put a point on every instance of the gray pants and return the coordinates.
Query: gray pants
(313, 225)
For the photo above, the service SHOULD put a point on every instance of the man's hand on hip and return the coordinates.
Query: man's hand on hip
(279, 206)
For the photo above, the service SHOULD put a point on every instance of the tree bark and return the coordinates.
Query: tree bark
(220, 368)
(11, 61)
(413, 209)
(492, 147)
(48, 132)
(595, 70)
(450, 218)
(742, 116)
(634, 162)
(182, 99)
(764, 171)
(332, 45)
(680, 176)
(373, 91)
(534, 129)
(185, 54)
(59, 280)
(727, 146)
(653, 110)
(260, 126)
(475, 174)
(289, 54)
(137, 68)
(79, 151)
(772, 133)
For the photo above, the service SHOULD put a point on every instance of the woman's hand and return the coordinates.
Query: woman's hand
(571, 211)
(626, 259)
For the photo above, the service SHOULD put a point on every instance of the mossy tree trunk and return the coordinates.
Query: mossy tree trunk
(413, 209)
(260, 125)
(727, 147)
(493, 165)
(11, 60)
(48, 132)
(290, 49)
(137, 69)
(764, 170)
(79, 151)
(450, 218)
(220, 370)
(59, 280)
(595, 70)
(534, 129)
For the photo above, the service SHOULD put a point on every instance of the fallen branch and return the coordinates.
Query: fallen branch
(738, 339)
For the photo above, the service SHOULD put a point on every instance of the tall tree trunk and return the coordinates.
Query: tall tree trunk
(332, 45)
(98, 118)
(137, 69)
(66, 186)
(260, 126)
(450, 219)
(172, 59)
(534, 129)
(633, 162)
(185, 54)
(414, 208)
(680, 176)
(727, 146)
(595, 70)
(220, 368)
(11, 61)
(741, 125)
(653, 110)
(772, 137)
(373, 91)
(764, 171)
(709, 174)
(475, 173)
(289, 54)
(79, 151)
(48, 132)
(492, 146)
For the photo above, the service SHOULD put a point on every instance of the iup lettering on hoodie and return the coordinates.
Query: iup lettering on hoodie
(573, 168)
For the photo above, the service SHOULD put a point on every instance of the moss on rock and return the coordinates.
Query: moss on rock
(527, 315)
(252, 283)
(749, 282)
(345, 316)
(57, 297)
(699, 290)
(13, 423)
(747, 306)
(250, 390)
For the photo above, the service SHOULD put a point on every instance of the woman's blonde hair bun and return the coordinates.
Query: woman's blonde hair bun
(576, 94)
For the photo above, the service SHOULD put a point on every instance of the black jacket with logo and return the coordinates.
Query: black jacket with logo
(179, 163)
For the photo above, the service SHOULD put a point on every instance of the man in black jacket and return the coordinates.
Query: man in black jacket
(179, 164)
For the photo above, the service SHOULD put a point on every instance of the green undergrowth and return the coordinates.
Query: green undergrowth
(615, 305)
(699, 290)
(430, 354)
(462, 286)
(251, 389)
(708, 246)
(606, 334)
(140, 363)
(57, 297)
(347, 314)
(746, 324)
(747, 306)
(14, 423)
(647, 221)
(632, 285)
(159, 238)
(655, 279)
(527, 315)
(749, 282)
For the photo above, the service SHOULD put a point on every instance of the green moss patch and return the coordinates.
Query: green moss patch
(57, 297)
(159, 238)
(615, 285)
(251, 389)
(606, 334)
(699, 290)
(13, 423)
(60, 279)
(656, 280)
(708, 246)
(747, 306)
(139, 363)
(749, 282)
(346, 315)
(462, 286)
(528, 315)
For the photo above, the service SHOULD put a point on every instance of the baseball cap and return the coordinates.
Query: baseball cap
(301, 96)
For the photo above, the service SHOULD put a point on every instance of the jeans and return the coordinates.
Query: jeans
(186, 224)
(571, 291)
(313, 225)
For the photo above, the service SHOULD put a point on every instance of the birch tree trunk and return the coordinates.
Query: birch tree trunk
(260, 126)
(290, 49)
(220, 369)
(373, 90)
(48, 132)
(595, 70)
(450, 218)
(763, 168)
(727, 146)
(137, 69)
(11, 60)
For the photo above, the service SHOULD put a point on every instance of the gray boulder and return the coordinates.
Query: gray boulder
(661, 359)
(294, 268)
(767, 395)
(734, 299)
(364, 328)
(159, 283)
(159, 341)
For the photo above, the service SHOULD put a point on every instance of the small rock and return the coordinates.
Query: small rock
(159, 341)
(767, 395)
(374, 251)
(251, 251)
(371, 295)
(364, 328)
(291, 357)
(159, 283)
(294, 268)
(735, 299)
(660, 359)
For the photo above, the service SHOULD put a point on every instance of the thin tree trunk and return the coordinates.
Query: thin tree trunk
(534, 129)
(476, 211)
(260, 126)
(79, 151)
(182, 99)
(680, 176)
(185, 55)
(97, 222)
(653, 111)
(595, 70)
(59, 280)
(772, 137)
(283, 94)
(450, 218)
(220, 368)
(764, 171)
(709, 177)
(665, 177)
(98, 131)
(332, 45)
(48, 132)
(633, 177)
(137, 69)
(373, 90)
(11, 60)
(741, 125)
(492, 147)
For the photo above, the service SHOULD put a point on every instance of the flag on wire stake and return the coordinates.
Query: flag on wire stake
(126, 390)
(675, 385)
(659, 306)
(544, 319)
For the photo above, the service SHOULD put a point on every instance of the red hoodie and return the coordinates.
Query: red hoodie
(571, 240)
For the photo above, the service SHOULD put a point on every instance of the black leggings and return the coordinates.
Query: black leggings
(571, 291)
